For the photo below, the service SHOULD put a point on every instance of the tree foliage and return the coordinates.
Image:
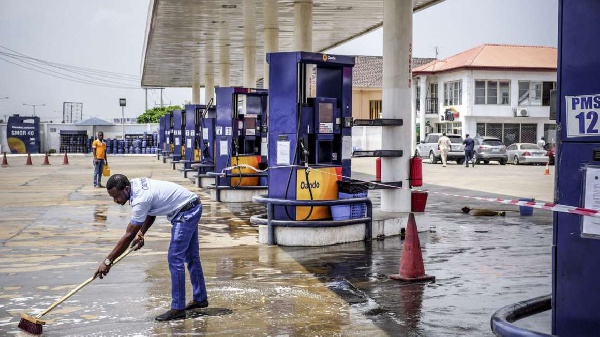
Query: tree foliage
(152, 115)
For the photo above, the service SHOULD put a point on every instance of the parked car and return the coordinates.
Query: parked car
(488, 149)
(550, 153)
(526, 153)
(428, 148)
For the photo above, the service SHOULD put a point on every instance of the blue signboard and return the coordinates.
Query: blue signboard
(23, 134)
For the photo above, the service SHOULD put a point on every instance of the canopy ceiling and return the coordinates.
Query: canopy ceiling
(182, 32)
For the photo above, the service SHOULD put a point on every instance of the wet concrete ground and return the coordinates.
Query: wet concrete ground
(55, 229)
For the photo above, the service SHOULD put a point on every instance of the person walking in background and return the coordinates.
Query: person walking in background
(150, 198)
(99, 151)
(469, 144)
(444, 145)
(541, 143)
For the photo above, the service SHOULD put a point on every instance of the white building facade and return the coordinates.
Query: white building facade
(484, 92)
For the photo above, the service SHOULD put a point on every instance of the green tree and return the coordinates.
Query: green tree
(152, 115)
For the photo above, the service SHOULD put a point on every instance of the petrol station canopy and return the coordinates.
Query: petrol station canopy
(182, 32)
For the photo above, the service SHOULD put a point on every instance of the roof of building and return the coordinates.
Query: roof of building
(368, 70)
(496, 57)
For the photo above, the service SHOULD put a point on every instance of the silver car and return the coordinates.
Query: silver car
(526, 153)
(489, 149)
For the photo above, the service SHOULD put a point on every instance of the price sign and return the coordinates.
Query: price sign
(582, 115)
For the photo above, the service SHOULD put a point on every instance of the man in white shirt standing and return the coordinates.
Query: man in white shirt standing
(541, 143)
(444, 145)
(148, 199)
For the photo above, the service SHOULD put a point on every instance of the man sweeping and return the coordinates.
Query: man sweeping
(150, 198)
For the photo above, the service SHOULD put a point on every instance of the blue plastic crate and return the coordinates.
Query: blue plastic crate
(356, 210)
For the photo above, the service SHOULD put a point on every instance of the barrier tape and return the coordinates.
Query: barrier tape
(541, 205)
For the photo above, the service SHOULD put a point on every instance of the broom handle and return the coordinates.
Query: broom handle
(88, 281)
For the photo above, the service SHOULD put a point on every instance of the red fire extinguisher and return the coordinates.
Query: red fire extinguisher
(415, 177)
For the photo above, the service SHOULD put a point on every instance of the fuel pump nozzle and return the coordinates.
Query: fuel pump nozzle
(234, 144)
(305, 153)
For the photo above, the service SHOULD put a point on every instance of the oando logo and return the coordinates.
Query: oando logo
(314, 185)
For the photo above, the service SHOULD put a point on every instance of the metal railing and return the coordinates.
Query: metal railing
(431, 106)
(502, 319)
(218, 187)
(272, 223)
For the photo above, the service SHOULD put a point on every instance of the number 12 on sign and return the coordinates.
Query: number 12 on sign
(582, 115)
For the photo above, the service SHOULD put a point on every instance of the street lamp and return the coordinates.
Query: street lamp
(34, 105)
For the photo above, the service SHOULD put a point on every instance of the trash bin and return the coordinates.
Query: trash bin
(524, 210)
(347, 190)
(418, 200)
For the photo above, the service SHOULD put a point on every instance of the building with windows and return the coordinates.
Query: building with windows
(491, 90)
(367, 83)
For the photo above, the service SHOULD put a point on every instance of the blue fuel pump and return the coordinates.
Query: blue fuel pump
(310, 125)
(178, 123)
(240, 133)
(162, 133)
(576, 243)
(199, 135)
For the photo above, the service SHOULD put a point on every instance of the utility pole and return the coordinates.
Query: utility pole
(161, 100)
(123, 103)
(34, 105)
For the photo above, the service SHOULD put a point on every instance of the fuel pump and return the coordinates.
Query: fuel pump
(199, 123)
(310, 120)
(576, 242)
(240, 132)
(162, 132)
(168, 134)
(178, 123)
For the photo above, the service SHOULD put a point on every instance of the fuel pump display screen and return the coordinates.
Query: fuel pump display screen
(325, 117)
(253, 105)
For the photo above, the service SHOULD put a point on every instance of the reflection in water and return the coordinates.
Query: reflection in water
(411, 295)
(100, 215)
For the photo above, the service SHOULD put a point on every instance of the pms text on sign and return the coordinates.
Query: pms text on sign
(583, 115)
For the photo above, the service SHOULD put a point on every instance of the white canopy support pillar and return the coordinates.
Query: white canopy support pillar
(271, 34)
(249, 44)
(209, 72)
(195, 78)
(209, 82)
(224, 57)
(303, 22)
(397, 59)
(423, 104)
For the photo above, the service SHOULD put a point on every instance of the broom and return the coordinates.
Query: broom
(33, 324)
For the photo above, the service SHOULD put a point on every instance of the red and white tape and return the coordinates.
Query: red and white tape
(541, 205)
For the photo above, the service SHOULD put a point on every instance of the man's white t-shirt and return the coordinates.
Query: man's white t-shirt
(155, 198)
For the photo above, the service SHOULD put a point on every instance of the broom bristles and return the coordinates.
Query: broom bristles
(30, 324)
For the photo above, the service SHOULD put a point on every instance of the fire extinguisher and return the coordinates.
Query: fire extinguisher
(415, 177)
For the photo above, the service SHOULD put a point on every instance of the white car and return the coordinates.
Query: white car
(526, 153)
(429, 148)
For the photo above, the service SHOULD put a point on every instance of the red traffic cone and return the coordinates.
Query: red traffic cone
(46, 162)
(411, 262)
(4, 161)
(66, 160)
(547, 172)
(28, 159)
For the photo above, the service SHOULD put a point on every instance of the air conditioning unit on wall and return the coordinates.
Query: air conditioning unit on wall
(521, 112)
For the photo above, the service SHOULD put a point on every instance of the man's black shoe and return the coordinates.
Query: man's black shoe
(197, 305)
(171, 315)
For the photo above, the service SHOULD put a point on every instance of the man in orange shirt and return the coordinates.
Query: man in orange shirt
(99, 151)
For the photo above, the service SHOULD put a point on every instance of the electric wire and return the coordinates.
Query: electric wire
(79, 74)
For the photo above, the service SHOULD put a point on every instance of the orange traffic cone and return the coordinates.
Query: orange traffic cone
(46, 162)
(4, 161)
(411, 262)
(66, 160)
(28, 159)
(547, 172)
